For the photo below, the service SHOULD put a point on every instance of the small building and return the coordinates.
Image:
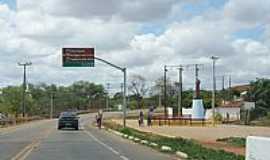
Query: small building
(230, 111)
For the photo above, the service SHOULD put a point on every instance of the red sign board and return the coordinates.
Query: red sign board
(78, 57)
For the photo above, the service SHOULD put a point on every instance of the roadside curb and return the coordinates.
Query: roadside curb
(166, 148)
(144, 142)
(179, 154)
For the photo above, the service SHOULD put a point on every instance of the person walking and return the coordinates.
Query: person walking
(141, 118)
(149, 117)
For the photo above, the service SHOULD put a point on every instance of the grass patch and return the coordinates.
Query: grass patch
(195, 150)
(234, 141)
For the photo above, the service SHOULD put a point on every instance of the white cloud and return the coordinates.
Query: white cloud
(129, 10)
(248, 11)
(113, 28)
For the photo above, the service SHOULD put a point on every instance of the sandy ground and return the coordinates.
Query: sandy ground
(205, 135)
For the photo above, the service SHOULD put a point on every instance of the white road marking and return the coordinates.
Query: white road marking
(26, 151)
(124, 158)
(106, 146)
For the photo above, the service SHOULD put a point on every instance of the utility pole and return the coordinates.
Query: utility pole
(230, 88)
(108, 96)
(214, 88)
(24, 84)
(52, 105)
(223, 85)
(196, 80)
(180, 91)
(159, 96)
(165, 90)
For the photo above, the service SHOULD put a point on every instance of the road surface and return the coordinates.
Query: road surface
(42, 141)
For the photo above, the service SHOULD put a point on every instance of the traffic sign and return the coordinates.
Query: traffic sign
(78, 57)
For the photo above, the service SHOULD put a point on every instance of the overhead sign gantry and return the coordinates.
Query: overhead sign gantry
(78, 57)
(85, 57)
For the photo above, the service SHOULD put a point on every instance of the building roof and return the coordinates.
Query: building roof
(232, 104)
(241, 88)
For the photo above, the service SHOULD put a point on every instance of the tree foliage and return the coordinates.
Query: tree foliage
(77, 96)
(139, 88)
(260, 93)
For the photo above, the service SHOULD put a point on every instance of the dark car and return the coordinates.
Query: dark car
(68, 120)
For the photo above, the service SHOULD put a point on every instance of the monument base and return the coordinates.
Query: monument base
(197, 109)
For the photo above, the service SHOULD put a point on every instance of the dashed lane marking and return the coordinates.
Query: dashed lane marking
(106, 146)
(26, 151)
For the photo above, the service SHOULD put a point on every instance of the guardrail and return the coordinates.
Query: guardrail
(177, 120)
(4, 122)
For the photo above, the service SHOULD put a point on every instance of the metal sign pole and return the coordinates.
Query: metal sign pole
(86, 59)
(124, 70)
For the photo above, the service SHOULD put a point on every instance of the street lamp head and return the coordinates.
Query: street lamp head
(214, 57)
(25, 64)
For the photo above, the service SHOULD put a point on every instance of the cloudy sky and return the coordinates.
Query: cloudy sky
(138, 34)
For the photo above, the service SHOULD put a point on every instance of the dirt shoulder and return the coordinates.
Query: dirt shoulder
(207, 135)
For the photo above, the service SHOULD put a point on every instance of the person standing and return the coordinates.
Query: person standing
(149, 117)
(99, 119)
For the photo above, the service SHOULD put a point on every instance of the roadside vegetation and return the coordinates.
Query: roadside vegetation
(193, 149)
(80, 95)
(234, 141)
(260, 93)
(83, 95)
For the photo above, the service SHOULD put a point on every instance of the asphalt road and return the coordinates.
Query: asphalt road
(42, 141)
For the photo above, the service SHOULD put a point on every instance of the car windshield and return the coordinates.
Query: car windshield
(68, 114)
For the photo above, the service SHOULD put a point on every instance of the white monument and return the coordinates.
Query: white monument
(197, 103)
(197, 109)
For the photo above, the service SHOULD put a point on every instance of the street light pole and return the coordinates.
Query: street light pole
(108, 96)
(124, 97)
(24, 84)
(214, 88)
(180, 91)
(124, 70)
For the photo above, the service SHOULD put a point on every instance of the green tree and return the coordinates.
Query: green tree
(138, 88)
(260, 93)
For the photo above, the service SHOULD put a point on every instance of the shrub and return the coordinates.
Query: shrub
(191, 147)
(234, 141)
(218, 117)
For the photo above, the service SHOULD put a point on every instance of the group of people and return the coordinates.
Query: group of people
(149, 117)
(150, 113)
